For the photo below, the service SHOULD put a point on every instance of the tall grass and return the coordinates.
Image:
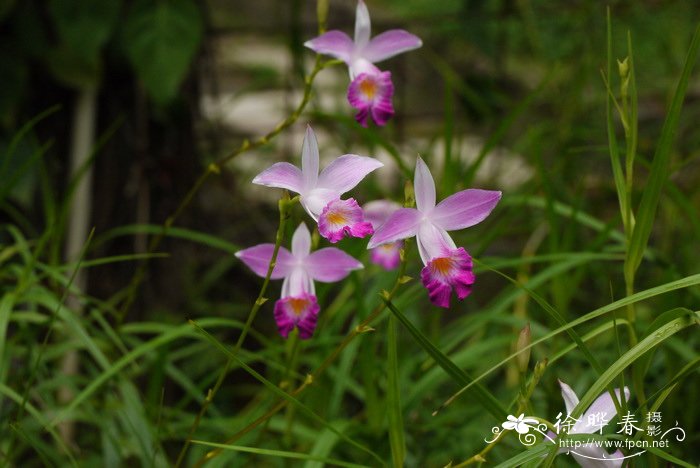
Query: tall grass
(594, 260)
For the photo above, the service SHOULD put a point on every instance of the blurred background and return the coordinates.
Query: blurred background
(503, 95)
(176, 84)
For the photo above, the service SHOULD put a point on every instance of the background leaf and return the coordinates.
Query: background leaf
(83, 27)
(160, 41)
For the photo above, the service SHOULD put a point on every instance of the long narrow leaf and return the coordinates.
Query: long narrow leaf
(634, 298)
(277, 453)
(396, 436)
(281, 393)
(479, 392)
(658, 174)
(645, 345)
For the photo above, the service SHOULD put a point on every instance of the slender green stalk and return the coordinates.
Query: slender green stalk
(215, 169)
(397, 440)
(361, 328)
(293, 361)
(284, 206)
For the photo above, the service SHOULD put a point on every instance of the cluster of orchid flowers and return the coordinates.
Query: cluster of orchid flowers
(447, 268)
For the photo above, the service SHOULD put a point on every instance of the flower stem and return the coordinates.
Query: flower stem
(361, 328)
(215, 168)
(285, 204)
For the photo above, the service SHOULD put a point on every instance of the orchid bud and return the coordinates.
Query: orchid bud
(524, 340)
(409, 195)
(624, 70)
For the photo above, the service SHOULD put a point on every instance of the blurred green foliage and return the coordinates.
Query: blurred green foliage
(71, 39)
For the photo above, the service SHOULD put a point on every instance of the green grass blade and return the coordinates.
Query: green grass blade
(170, 334)
(668, 457)
(396, 436)
(538, 451)
(20, 135)
(634, 298)
(556, 316)
(479, 392)
(618, 175)
(324, 443)
(660, 166)
(6, 305)
(278, 453)
(281, 393)
(176, 232)
(37, 414)
(644, 346)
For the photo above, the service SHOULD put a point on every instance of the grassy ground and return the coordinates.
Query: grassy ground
(106, 359)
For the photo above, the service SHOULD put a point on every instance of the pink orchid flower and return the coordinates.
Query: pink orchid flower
(320, 193)
(361, 54)
(298, 306)
(601, 411)
(370, 90)
(446, 265)
(386, 255)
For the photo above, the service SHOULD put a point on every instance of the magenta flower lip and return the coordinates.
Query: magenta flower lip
(343, 217)
(371, 95)
(362, 53)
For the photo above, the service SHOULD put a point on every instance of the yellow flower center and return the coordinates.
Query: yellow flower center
(336, 218)
(368, 88)
(297, 305)
(441, 265)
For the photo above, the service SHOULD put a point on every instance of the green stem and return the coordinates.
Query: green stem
(293, 361)
(284, 205)
(361, 328)
(215, 168)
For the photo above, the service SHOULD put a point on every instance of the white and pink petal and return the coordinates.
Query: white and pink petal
(464, 209)
(297, 282)
(316, 200)
(309, 159)
(346, 171)
(601, 406)
(433, 242)
(258, 259)
(330, 264)
(569, 396)
(334, 43)
(363, 26)
(301, 242)
(389, 44)
(424, 187)
(402, 224)
(281, 175)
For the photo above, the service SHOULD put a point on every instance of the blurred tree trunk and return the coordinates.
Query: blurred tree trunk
(82, 142)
